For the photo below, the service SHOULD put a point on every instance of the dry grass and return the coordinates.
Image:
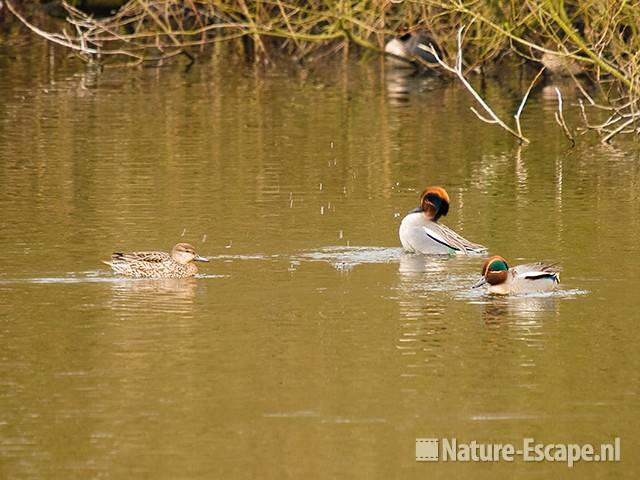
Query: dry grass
(597, 38)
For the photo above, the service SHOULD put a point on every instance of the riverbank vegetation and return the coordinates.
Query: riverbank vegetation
(595, 42)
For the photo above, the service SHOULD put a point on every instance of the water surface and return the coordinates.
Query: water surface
(310, 346)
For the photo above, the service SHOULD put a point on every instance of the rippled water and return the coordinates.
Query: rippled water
(310, 345)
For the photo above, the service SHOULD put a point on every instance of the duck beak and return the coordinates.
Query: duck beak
(479, 283)
(198, 258)
(416, 210)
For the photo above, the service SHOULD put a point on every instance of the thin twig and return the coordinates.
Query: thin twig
(560, 119)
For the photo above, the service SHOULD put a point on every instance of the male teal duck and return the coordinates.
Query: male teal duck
(177, 264)
(528, 278)
(420, 231)
(412, 49)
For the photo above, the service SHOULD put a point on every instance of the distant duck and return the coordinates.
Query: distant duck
(177, 264)
(420, 231)
(529, 278)
(407, 51)
(561, 65)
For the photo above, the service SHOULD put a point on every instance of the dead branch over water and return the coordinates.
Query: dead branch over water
(458, 71)
(599, 39)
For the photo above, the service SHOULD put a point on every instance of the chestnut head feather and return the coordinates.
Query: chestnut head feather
(434, 201)
(495, 270)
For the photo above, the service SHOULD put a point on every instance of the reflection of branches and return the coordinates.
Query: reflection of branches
(457, 70)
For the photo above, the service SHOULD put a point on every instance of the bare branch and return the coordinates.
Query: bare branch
(524, 101)
(457, 71)
(560, 119)
(484, 119)
(618, 130)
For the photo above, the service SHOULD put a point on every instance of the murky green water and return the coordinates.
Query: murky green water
(310, 347)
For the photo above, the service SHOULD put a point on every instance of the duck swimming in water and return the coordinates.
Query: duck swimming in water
(420, 231)
(412, 50)
(528, 278)
(177, 264)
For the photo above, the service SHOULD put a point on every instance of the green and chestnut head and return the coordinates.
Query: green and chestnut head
(495, 271)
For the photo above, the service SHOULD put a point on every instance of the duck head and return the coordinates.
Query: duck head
(184, 253)
(495, 271)
(434, 203)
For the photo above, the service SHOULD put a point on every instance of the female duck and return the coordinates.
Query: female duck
(177, 264)
(529, 278)
(420, 231)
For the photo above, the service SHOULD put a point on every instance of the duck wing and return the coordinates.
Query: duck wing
(537, 270)
(444, 235)
(154, 257)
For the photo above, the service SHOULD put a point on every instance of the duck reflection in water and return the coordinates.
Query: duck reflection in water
(416, 265)
(507, 310)
(170, 295)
